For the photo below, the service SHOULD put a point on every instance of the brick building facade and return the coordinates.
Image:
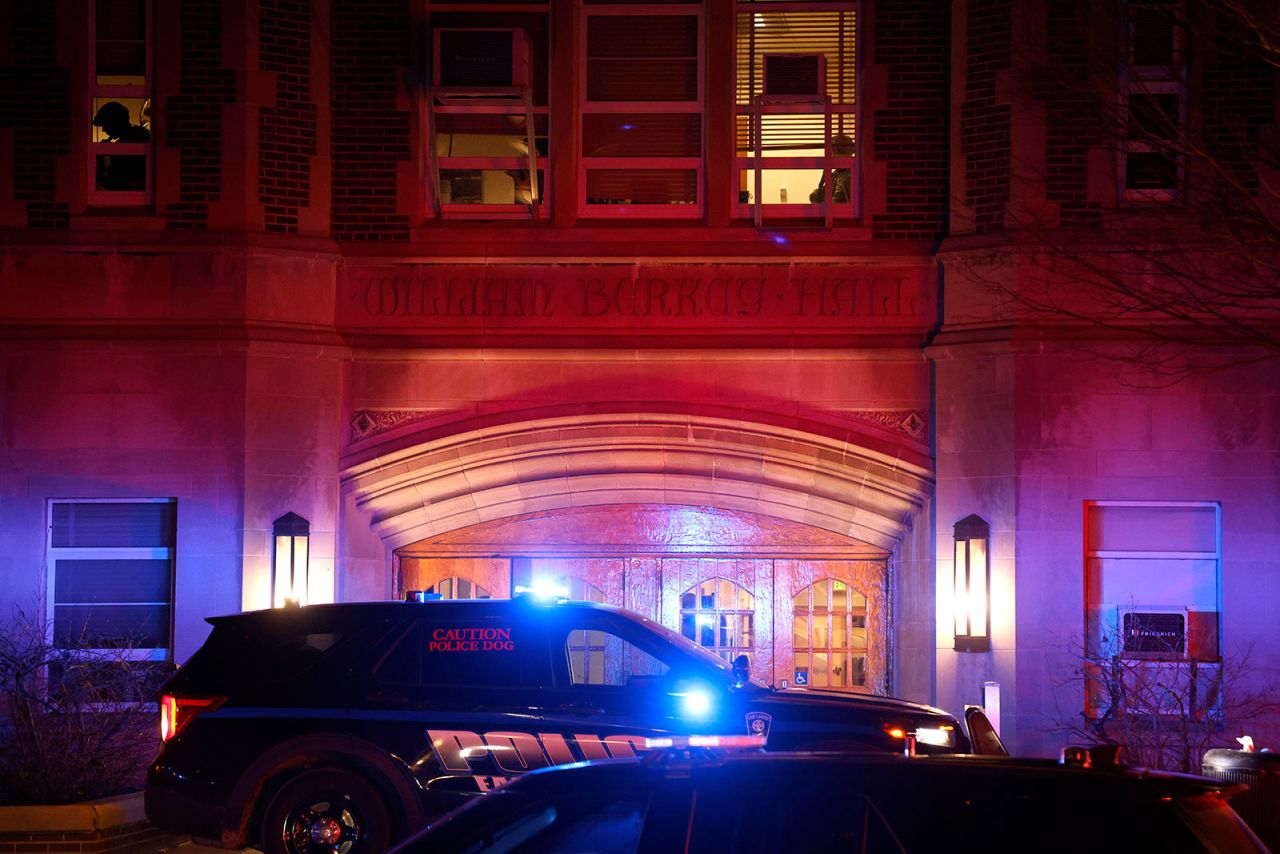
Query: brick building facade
(487, 293)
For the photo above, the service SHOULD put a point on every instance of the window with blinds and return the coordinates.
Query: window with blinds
(796, 107)
(642, 109)
(110, 566)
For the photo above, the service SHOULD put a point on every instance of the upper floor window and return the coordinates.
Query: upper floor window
(1154, 94)
(487, 111)
(796, 110)
(119, 108)
(642, 111)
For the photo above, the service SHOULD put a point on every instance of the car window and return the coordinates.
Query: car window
(477, 652)
(792, 814)
(599, 656)
(611, 828)
(586, 822)
(1215, 824)
(971, 815)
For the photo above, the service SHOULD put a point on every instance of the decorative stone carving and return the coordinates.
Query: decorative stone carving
(906, 421)
(370, 422)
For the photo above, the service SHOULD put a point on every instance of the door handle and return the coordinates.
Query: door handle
(580, 709)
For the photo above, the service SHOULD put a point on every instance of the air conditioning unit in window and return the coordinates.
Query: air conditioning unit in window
(1153, 633)
(795, 74)
(481, 58)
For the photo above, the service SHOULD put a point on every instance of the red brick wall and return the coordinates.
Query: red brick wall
(194, 115)
(1073, 115)
(370, 131)
(1239, 98)
(286, 131)
(912, 40)
(984, 124)
(35, 101)
(136, 838)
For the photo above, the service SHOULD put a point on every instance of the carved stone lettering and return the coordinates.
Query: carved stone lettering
(598, 297)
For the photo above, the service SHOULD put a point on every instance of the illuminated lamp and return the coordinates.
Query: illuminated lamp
(972, 589)
(292, 536)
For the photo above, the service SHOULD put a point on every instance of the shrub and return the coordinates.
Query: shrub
(77, 724)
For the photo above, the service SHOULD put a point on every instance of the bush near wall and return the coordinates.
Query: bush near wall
(76, 725)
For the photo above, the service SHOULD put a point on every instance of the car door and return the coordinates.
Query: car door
(458, 697)
(765, 808)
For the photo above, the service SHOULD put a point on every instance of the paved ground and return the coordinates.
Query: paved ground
(193, 848)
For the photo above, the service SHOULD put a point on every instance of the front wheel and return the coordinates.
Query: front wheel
(326, 811)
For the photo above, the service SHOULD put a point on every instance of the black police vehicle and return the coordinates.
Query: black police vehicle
(342, 727)
(706, 802)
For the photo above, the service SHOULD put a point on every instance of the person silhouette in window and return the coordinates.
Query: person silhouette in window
(121, 171)
(842, 181)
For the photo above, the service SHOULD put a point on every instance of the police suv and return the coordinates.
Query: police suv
(339, 728)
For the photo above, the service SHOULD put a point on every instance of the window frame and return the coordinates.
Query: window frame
(846, 211)
(1153, 80)
(436, 164)
(849, 650)
(1156, 663)
(95, 91)
(587, 107)
(156, 654)
(728, 653)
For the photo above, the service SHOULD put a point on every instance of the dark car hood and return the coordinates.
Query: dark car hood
(829, 720)
(837, 703)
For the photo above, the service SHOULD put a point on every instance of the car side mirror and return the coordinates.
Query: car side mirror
(983, 738)
(741, 670)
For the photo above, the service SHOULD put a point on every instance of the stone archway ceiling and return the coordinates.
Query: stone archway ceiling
(583, 460)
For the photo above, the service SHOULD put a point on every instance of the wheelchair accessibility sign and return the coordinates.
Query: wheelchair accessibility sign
(802, 678)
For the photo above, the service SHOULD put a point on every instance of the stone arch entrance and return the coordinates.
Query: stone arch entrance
(656, 511)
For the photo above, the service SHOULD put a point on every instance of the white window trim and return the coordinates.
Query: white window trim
(161, 654)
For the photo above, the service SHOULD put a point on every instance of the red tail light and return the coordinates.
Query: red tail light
(177, 712)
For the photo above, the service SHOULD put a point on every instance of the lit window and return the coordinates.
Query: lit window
(458, 587)
(718, 614)
(796, 111)
(829, 636)
(119, 109)
(1154, 96)
(487, 113)
(110, 579)
(642, 98)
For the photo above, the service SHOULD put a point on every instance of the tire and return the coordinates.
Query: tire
(326, 811)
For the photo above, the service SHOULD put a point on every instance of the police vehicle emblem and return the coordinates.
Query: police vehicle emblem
(758, 723)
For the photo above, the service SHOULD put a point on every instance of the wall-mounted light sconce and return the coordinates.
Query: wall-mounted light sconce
(972, 590)
(292, 534)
